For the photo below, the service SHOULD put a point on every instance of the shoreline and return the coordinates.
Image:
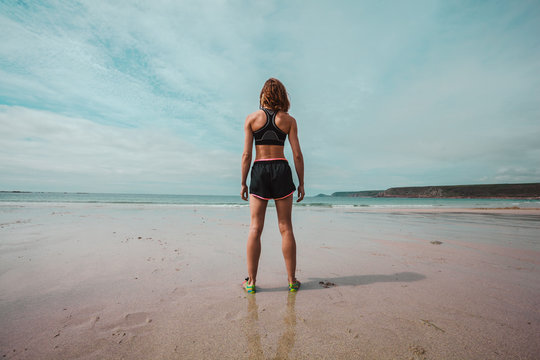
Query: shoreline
(506, 211)
(296, 207)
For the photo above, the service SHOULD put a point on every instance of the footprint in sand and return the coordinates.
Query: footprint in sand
(93, 321)
(179, 292)
(128, 327)
(418, 352)
(119, 336)
(137, 319)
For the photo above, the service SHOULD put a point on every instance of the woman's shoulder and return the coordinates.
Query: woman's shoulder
(285, 116)
(254, 115)
(281, 115)
(285, 121)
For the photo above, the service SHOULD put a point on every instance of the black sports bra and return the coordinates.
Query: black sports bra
(269, 134)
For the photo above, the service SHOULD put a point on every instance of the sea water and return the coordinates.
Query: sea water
(234, 200)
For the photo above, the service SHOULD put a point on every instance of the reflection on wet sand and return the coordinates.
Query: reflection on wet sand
(252, 331)
(285, 342)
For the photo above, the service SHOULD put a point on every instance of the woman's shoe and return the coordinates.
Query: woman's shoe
(294, 286)
(249, 288)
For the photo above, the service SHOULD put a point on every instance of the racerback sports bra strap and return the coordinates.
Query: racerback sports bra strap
(269, 134)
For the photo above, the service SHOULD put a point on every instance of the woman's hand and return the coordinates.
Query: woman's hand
(301, 193)
(244, 192)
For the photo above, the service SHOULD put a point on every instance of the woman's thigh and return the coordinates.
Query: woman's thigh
(257, 209)
(284, 210)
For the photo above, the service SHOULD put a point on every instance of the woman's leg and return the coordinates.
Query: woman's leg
(258, 210)
(288, 244)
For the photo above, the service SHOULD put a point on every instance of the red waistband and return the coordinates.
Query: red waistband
(270, 159)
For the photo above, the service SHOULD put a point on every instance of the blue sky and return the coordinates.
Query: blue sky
(151, 96)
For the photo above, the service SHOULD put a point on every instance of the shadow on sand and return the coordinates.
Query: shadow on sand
(352, 280)
(287, 340)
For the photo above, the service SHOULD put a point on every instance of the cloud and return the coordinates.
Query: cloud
(125, 63)
(518, 174)
(82, 155)
(384, 94)
(447, 99)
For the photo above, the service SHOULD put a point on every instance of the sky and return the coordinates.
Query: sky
(151, 96)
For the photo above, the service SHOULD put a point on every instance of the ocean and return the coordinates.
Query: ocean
(233, 200)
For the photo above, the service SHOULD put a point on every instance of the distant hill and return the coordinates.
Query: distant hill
(504, 191)
(366, 193)
(521, 191)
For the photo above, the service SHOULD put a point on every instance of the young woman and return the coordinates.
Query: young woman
(271, 177)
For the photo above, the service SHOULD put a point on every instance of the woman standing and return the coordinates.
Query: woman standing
(271, 176)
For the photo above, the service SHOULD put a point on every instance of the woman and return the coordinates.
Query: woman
(271, 176)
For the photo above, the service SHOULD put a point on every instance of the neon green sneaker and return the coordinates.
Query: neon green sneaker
(249, 288)
(295, 286)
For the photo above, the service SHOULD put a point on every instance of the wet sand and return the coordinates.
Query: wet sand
(163, 282)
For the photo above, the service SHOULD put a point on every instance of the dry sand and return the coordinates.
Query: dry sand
(81, 281)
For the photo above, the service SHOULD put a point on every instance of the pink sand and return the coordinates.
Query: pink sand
(163, 282)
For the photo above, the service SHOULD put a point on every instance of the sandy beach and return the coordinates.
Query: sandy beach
(100, 281)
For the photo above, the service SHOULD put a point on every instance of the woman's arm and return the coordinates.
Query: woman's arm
(246, 157)
(298, 158)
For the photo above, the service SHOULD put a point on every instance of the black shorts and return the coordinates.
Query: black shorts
(271, 179)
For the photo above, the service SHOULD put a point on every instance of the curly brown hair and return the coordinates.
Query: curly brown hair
(274, 96)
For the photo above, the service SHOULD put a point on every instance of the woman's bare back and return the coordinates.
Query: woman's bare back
(283, 121)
